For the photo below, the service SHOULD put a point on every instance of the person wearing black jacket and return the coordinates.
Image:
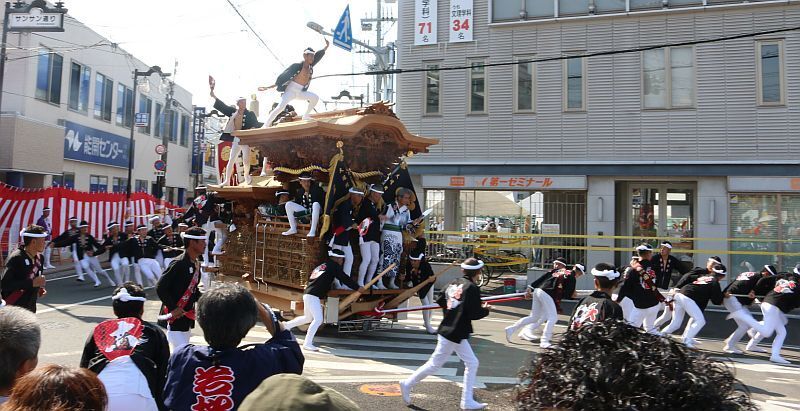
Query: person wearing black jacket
(782, 299)
(418, 270)
(370, 239)
(309, 200)
(134, 381)
(598, 306)
(87, 248)
(178, 289)
(344, 221)
(546, 293)
(664, 264)
(461, 302)
(204, 213)
(294, 82)
(64, 240)
(156, 231)
(142, 250)
(114, 242)
(640, 287)
(319, 284)
(739, 296)
(692, 298)
(240, 118)
(171, 245)
(22, 282)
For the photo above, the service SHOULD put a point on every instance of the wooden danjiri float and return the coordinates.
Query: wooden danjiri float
(370, 142)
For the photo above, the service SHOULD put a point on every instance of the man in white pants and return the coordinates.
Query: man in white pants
(114, 242)
(370, 235)
(240, 118)
(784, 298)
(462, 303)
(739, 296)
(692, 298)
(319, 283)
(44, 222)
(178, 289)
(294, 82)
(65, 239)
(343, 222)
(142, 249)
(309, 200)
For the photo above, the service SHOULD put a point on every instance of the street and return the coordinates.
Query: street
(366, 367)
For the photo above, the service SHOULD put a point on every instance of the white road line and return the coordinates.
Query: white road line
(388, 355)
(61, 278)
(66, 306)
(480, 383)
(369, 343)
(61, 354)
(790, 405)
(371, 366)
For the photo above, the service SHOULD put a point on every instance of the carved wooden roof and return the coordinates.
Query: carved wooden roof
(373, 139)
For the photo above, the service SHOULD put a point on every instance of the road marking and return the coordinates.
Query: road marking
(480, 381)
(371, 366)
(66, 306)
(790, 405)
(61, 278)
(61, 354)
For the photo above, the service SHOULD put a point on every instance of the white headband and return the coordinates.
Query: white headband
(796, 271)
(644, 247)
(375, 189)
(192, 236)
(610, 274)
(667, 245)
(24, 233)
(418, 258)
(127, 223)
(83, 225)
(155, 217)
(559, 262)
(466, 266)
(183, 225)
(581, 267)
(718, 271)
(124, 296)
(714, 260)
(766, 267)
(356, 191)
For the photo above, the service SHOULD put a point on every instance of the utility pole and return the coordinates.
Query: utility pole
(383, 91)
(161, 181)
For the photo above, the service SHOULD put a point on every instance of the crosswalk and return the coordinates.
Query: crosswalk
(380, 356)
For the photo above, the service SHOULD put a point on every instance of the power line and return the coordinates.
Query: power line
(558, 58)
(252, 30)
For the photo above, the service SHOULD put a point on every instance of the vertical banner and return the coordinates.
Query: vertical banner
(460, 21)
(424, 22)
(198, 138)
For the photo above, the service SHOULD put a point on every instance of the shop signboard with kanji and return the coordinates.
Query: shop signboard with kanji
(461, 21)
(506, 182)
(424, 22)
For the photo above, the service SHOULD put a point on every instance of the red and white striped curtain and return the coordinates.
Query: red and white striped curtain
(20, 207)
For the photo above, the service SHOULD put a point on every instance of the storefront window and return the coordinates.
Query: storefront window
(764, 223)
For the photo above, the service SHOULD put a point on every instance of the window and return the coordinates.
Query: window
(477, 87)
(186, 128)
(124, 106)
(159, 122)
(79, 79)
(66, 180)
(773, 217)
(119, 184)
(48, 77)
(770, 72)
(103, 93)
(146, 106)
(574, 84)
(141, 186)
(668, 85)
(573, 7)
(432, 89)
(540, 8)
(171, 125)
(525, 81)
(98, 184)
(609, 6)
(210, 155)
(505, 10)
(646, 4)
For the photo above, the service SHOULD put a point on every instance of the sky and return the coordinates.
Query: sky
(208, 38)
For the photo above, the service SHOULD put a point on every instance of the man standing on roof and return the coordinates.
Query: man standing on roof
(240, 119)
(294, 82)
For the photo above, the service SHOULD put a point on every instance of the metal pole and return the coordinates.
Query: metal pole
(130, 146)
(378, 42)
(162, 180)
(3, 53)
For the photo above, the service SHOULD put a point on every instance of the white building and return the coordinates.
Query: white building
(66, 116)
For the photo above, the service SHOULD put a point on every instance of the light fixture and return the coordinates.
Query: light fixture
(599, 208)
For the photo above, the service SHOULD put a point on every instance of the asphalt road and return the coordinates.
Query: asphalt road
(366, 367)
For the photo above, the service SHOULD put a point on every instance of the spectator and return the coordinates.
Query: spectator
(289, 392)
(613, 366)
(223, 374)
(20, 338)
(58, 388)
(133, 374)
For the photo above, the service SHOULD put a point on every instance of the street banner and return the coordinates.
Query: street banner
(198, 139)
(461, 21)
(343, 35)
(20, 207)
(424, 22)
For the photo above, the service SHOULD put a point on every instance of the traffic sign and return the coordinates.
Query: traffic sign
(160, 165)
(343, 35)
(142, 119)
(160, 149)
(159, 173)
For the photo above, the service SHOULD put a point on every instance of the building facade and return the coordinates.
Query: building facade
(66, 116)
(698, 139)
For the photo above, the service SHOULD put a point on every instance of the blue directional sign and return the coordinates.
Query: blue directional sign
(343, 35)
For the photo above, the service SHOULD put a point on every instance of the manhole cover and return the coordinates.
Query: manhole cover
(381, 390)
(53, 325)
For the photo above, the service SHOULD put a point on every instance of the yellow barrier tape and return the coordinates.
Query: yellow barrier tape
(605, 237)
(624, 249)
